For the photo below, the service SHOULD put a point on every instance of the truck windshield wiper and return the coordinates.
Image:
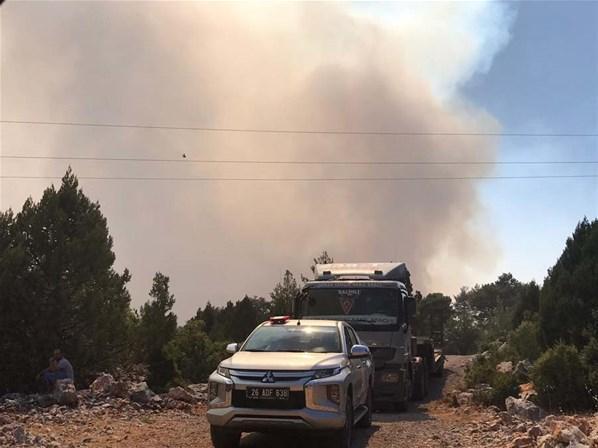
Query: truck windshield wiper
(254, 350)
(291, 351)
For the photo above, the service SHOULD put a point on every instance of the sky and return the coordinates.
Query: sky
(457, 67)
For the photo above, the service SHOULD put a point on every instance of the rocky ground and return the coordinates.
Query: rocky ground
(142, 419)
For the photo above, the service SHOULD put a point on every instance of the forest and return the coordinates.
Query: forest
(59, 288)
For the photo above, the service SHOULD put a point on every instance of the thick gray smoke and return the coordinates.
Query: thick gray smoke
(311, 66)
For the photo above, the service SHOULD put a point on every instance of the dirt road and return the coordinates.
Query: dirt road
(426, 424)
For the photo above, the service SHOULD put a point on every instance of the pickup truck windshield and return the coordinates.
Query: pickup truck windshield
(364, 308)
(296, 338)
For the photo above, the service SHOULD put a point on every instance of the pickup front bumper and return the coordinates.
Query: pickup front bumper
(248, 420)
(308, 408)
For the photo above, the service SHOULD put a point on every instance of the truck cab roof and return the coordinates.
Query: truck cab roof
(370, 274)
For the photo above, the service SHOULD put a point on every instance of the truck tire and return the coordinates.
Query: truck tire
(224, 438)
(366, 420)
(420, 386)
(401, 406)
(342, 437)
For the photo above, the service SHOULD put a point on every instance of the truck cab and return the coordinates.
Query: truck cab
(375, 298)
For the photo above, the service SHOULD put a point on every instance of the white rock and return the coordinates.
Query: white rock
(102, 384)
(523, 408)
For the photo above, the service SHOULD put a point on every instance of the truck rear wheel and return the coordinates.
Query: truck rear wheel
(224, 438)
(420, 386)
(401, 406)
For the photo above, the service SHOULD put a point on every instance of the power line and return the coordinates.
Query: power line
(302, 131)
(309, 179)
(301, 162)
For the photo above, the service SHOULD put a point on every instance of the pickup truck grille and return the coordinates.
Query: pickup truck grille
(296, 401)
(279, 375)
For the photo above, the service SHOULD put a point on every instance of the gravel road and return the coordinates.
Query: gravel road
(430, 423)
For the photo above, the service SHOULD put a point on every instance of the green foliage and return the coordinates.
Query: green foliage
(525, 341)
(503, 385)
(58, 288)
(433, 313)
(462, 332)
(283, 295)
(157, 327)
(528, 304)
(569, 297)
(559, 377)
(589, 357)
(193, 353)
(234, 321)
(483, 371)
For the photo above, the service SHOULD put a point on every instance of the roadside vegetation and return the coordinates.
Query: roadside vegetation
(552, 330)
(59, 288)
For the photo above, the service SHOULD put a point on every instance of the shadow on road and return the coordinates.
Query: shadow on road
(361, 439)
(418, 411)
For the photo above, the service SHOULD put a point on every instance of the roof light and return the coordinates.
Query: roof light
(277, 320)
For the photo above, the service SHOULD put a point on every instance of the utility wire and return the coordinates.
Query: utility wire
(301, 162)
(310, 179)
(302, 131)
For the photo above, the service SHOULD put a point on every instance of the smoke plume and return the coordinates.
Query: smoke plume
(264, 66)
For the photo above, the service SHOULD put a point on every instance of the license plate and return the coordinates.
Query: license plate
(267, 393)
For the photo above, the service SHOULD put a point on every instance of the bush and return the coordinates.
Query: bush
(559, 376)
(503, 385)
(193, 354)
(525, 341)
(483, 371)
(589, 358)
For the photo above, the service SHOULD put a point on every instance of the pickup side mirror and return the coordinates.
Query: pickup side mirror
(359, 351)
(232, 348)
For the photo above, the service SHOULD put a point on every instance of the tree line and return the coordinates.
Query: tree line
(58, 288)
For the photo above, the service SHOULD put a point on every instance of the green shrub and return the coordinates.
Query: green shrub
(481, 370)
(503, 385)
(559, 376)
(525, 341)
(589, 357)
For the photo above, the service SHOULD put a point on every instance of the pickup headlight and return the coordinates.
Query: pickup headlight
(325, 373)
(223, 371)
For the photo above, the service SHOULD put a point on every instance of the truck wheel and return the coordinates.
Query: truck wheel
(419, 386)
(342, 437)
(400, 406)
(366, 420)
(224, 438)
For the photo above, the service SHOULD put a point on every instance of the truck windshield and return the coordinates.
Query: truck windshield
(296, 338)
(364, 308)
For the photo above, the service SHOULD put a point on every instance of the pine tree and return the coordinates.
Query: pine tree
(58, 287)
(157, 327)
(569, 297)
(283, 294)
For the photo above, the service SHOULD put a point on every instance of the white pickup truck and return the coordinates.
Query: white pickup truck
(305, 375)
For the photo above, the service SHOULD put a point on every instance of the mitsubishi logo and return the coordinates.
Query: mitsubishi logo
(268, 377)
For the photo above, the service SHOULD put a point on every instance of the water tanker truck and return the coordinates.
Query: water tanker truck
(376, 300)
